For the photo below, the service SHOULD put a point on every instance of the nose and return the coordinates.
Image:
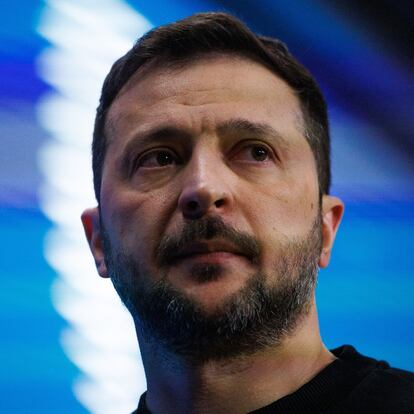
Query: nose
(206, 188)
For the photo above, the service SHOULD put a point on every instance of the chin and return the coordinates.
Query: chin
(209, 286)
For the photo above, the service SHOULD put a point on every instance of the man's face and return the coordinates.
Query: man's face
(209, 185)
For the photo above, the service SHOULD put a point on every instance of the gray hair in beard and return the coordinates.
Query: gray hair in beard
(259, 315)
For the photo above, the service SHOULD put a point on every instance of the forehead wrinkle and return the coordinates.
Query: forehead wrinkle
(154, 69)
(114, 118)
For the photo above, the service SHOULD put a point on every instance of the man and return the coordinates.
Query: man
(212, 173)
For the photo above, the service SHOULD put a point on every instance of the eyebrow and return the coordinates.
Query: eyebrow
(256, 129)
(160, 133)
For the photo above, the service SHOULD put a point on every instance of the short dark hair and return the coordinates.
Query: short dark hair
(217, 33)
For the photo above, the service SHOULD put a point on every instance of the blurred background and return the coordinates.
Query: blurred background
(67, 344)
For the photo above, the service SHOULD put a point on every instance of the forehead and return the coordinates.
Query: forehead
(203, 92)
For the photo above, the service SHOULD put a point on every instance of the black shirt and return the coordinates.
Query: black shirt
(352, 384)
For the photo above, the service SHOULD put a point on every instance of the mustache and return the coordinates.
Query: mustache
(207, 228)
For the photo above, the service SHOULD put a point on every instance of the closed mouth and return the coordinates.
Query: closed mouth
(205, 248)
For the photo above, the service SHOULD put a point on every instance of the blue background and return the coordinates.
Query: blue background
(363, 58)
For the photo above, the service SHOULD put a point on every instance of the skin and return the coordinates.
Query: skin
(212, 170)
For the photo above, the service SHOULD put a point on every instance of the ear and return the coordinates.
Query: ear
(92, 227)
(332, 212)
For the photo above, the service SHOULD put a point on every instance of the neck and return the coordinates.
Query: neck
(238, 385)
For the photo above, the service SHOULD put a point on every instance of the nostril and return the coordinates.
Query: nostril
(219, 203)
(192, 205)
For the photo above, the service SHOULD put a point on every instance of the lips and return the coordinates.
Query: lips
(200, 248)
(209, 238)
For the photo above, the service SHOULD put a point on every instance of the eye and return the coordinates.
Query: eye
(254, 152)
(156, 159)
(259, 153)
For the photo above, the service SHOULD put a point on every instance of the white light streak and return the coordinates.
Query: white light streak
(85, 38)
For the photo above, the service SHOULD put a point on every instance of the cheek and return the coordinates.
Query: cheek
(133, 219)
(283, 209)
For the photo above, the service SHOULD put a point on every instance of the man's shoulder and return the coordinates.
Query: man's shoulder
(384, 389)
(397, 376)
(387, 389)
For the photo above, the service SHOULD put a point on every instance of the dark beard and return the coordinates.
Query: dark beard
(259, 315)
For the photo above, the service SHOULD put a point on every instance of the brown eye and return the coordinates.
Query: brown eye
(164, 158)
(157, 159)
(259, 153)
(254, 153)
